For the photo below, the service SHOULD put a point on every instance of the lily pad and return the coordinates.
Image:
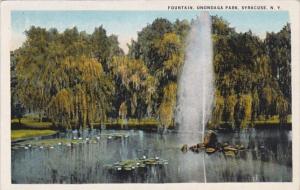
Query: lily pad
(229, 148)
(129, 165)
(210, 150)
(229, 153)
(128, 168)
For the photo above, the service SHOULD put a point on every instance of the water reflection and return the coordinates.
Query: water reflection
(268, 158)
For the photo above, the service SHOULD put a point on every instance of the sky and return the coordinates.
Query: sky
(126, 24)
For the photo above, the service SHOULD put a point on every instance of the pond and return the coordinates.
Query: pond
(89, 157)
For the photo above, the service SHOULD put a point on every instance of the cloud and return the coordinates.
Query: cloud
(124, 40)
(17, 40)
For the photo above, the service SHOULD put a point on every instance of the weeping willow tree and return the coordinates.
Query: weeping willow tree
(136, 87)
(243, 111)
(74, 78)
(218, 109)
(60, 76)
(229, 110)
(282, 107)
(30, 81)
(170, 47)
(68, 89)
(87, 96)
(167, 107)
(161, 46)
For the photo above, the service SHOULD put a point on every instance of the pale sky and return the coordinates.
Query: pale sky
(126, 24)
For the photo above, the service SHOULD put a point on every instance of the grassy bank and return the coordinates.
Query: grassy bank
(272, 120)
(30, 127)
(28, 133)
(30, 123)
(150, 122)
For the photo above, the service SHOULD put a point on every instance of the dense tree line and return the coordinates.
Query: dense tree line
(75, 79)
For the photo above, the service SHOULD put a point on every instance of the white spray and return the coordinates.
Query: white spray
(196, 89)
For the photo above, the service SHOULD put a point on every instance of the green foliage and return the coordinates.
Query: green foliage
(243, 110)
(18, 111)
(282, 107)
(248, 76)
(32, 123)
(56, 77)
(167, 107)
(76, 79)
(21, 134)
(218, 109)
(229, 110)
(136, 87)
(278, 47)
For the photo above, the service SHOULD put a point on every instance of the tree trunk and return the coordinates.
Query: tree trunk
(88, 123)
(40, 117)
(19, 122)
(79, 120)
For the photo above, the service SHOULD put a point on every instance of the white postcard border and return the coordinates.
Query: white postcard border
(5, 147)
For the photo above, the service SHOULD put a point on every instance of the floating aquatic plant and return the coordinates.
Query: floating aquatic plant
(69, 142)
(228, 150)
(129, 165)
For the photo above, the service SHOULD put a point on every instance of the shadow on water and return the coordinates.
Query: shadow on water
(268, 158)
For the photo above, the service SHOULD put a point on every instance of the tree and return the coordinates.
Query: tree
(18, 111)
(229, 109)
(243, 111)
(57, 76)
(282, 109)
(135, 86)
(278, 47)
(167, 107)
(218, 109)
(80, 92)
(75, 78)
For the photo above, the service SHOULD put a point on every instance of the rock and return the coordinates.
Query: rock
(142, 165)
(229, 153)
(200, 146)
(210, 150)
(240, 147)
(184, 148)
(193, 148)
(230, 148)
(225, 144)
(210, 139)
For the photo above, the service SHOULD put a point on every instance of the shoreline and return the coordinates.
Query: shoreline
(153, 128)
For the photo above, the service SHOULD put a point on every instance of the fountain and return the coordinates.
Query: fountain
(196, 89)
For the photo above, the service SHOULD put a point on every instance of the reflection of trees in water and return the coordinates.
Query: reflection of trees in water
(85, 163)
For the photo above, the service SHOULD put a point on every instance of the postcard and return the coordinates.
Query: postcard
(150, 94)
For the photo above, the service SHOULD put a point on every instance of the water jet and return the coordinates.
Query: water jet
(196, 89)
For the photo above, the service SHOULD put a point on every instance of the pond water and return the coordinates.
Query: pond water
(268, 158)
